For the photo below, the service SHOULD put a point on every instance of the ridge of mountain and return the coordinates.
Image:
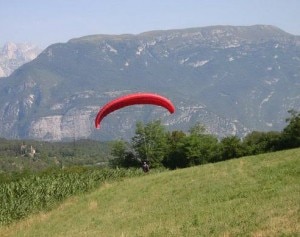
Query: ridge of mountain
(233, 79)
(251, 32)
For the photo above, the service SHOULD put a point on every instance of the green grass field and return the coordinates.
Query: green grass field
(250, 196)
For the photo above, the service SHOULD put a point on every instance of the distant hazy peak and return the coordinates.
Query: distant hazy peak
(14, 55)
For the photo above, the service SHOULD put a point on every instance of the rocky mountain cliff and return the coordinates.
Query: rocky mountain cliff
(231, 79)
(14, 55)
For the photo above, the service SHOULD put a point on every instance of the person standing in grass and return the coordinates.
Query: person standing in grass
(145, 167)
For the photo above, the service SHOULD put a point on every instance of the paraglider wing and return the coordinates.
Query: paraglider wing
(133, 99)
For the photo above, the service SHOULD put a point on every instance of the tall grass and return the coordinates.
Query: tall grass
(37, 192)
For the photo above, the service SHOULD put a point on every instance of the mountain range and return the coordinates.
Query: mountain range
(13, 55)
(232, 79)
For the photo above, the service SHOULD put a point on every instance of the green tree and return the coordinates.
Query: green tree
(206, 149)
(150, 142)
(291, 133)
(124, 155)
(194, 149)
(261, 142)
(174, 158)
(231, 147)
(199, 149)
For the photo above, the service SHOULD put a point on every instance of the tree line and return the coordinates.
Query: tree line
(178, 149)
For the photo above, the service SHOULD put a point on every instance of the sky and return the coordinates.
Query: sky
(45, 22)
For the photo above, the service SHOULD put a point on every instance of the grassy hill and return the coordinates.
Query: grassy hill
(250, 196)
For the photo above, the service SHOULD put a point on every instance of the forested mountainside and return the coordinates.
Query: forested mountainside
(231, 79)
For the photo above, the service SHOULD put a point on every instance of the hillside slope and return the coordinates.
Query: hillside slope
(251, 196)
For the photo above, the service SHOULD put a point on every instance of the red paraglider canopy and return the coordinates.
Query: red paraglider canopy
(133, 99)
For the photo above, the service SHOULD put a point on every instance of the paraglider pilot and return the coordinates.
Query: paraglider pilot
(145, 167)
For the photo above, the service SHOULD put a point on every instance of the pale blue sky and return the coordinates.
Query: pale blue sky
(45, 22)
